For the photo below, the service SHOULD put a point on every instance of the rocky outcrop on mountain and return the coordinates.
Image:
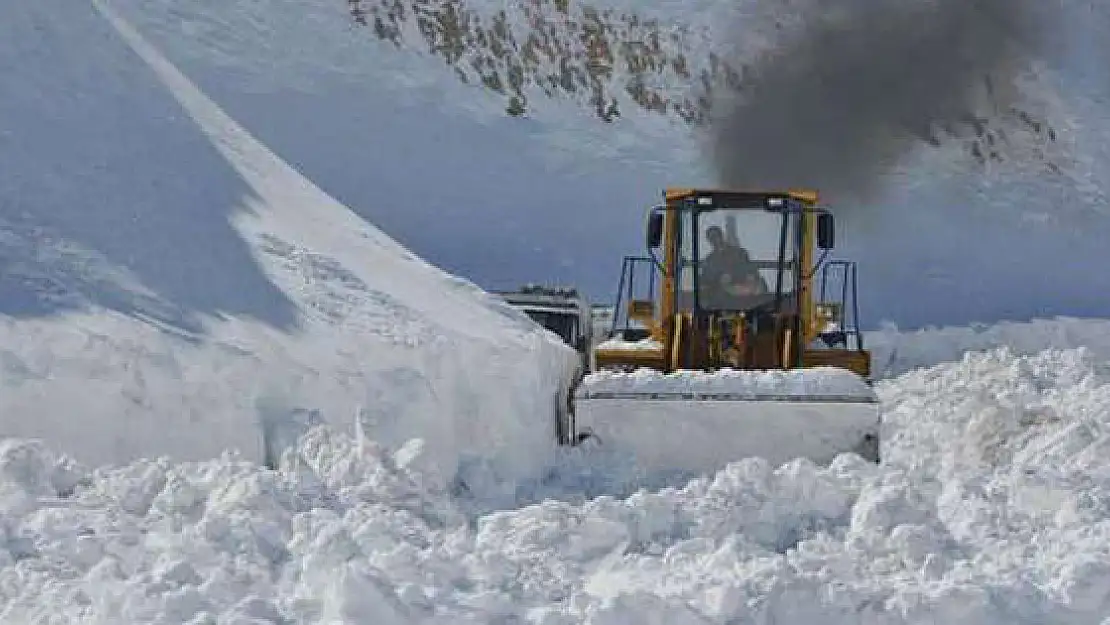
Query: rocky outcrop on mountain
(611, 61)
(550, 48)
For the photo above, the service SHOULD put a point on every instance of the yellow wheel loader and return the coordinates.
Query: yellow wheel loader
(732, 354)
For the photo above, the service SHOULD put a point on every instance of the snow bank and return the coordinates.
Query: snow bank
(823, 382)
(897, 351)
(182, 300)
(992, 510)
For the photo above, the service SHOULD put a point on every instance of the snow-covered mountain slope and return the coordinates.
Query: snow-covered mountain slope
(170, 283)
(990, 509)
(559, 194)
(172, 287)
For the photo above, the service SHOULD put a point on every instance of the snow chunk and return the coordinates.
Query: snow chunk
(648, 344)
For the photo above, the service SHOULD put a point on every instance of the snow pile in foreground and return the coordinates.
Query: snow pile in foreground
(994, 508)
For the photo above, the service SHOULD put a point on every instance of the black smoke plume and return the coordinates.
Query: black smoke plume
(849, 93)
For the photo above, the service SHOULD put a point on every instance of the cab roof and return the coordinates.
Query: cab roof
(725, 197)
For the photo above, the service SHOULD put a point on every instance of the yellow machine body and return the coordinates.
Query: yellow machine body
(697, 377)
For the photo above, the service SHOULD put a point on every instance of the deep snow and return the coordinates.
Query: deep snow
(295, 309)
(992, 508)
(251, 294)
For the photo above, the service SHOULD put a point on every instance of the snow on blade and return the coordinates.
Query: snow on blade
(814, 384)
(617, 343)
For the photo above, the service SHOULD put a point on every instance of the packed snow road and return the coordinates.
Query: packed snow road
(993, 507)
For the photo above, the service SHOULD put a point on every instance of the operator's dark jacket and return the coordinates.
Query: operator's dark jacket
(727, 259)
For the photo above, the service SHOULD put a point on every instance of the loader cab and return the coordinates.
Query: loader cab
(738, 287)
(735, 252)
(738, 270)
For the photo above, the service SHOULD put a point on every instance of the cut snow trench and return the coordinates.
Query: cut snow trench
(283, 193)
(373, 319)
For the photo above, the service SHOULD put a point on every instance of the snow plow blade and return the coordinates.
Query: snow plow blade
(699, 422)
